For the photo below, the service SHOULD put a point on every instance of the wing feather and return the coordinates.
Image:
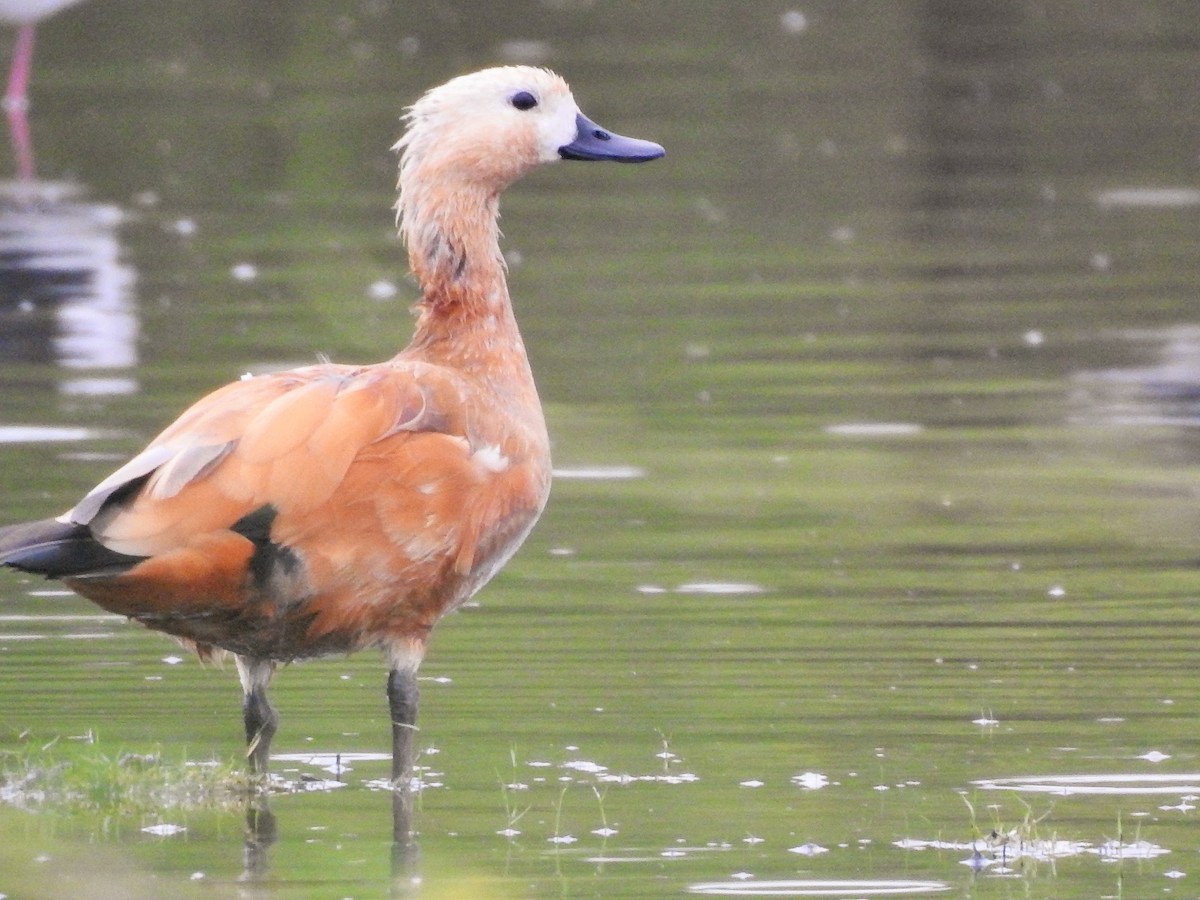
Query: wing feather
(286, 423)
(188, 465)
(140, 466)
(285, 440)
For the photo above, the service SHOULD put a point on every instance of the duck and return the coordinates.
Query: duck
(334, 508)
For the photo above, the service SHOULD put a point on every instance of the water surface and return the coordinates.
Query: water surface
(870, 569)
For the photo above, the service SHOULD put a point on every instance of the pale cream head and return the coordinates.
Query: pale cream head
(468, 140)
(488, 128)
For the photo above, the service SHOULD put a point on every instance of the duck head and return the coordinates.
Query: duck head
(466, 141)
(492, 126)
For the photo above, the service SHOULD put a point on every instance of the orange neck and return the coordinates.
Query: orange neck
(465, 317)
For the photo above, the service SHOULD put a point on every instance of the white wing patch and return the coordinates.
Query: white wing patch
(491, 458)
(170, 467)
(185, 467)
(142, 464)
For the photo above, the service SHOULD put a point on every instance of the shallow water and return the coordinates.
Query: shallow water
(870, 566)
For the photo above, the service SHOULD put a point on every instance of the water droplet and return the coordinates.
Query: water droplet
(793, 21)
(381, 290)
(164, 829)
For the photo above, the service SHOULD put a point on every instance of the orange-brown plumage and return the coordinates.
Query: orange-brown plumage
(331, 508)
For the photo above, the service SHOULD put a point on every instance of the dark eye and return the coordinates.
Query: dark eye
(523, 100)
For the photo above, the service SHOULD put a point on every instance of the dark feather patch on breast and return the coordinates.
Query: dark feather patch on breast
(274, 569)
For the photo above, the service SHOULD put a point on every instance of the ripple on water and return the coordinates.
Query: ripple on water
(1005, 849)
(1148, 197)
(54, 621)
(164, 829)
(337, 763)
(44, 434)
(99, 387)
(819, 888)
(719, 587)
(1116, 783)
(875, 429)
(600, 473)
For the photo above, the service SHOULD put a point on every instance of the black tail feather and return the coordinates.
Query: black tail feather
(59, 550)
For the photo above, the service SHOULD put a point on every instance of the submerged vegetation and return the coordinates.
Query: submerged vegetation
(83, 777)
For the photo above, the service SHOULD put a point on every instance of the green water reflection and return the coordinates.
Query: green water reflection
(883, 384)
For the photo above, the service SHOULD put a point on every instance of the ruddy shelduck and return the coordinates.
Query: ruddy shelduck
(333, 508)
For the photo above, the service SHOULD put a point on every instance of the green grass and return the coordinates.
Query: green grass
(87, 778)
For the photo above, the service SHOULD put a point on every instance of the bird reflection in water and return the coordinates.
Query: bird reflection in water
(65, 291)
(24, 15)
(262, 829)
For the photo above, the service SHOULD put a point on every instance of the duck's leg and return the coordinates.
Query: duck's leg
(261, 833)
(260, 717)
(403, 696)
